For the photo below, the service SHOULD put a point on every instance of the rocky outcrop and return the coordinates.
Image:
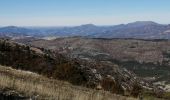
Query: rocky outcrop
(110, 77)
(7, 94)
(93, 74)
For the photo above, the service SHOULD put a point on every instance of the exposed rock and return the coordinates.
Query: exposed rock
(89, 73)
(7, 94)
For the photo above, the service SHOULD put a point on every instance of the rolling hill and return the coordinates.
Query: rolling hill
(146, 58)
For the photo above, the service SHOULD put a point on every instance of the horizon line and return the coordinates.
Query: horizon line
(79, 24)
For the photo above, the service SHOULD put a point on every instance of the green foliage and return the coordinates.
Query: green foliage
(145, 69)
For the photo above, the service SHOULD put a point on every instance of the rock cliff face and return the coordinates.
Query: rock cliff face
(90, 73)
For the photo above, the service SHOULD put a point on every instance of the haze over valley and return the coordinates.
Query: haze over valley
(84, 50)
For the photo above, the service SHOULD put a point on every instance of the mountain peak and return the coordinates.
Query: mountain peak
(10, 27)
(88, 25)
(142, 23)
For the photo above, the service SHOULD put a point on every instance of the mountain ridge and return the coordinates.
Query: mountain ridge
(138, 29)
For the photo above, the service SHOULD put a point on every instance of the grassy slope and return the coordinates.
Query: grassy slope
(31, 84)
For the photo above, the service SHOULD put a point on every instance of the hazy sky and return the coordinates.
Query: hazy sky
(76, 12)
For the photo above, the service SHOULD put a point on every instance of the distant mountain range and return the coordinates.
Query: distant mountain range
(139, 29)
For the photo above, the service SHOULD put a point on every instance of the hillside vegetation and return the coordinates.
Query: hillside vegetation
(100, 75)
(17, 84)
(146, 58)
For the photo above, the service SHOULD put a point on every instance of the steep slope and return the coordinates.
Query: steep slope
(24, 85)
(93, 74)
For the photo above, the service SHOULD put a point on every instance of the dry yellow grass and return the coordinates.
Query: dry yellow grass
(32, 84)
